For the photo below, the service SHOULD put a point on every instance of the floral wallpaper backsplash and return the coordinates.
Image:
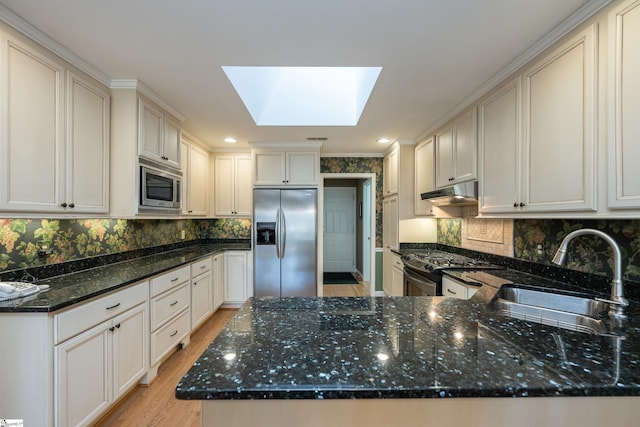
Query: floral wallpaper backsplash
(537, 240)
(67, 240)
(359, 165)
(590, 254)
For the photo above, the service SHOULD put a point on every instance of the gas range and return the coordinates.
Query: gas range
(433, 261)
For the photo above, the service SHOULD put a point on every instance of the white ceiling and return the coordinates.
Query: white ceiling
(434, 53)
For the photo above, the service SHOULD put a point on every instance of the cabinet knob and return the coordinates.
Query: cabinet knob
(451, 179)
(521, 204)
(64, 205)
(515, 205)
(165, 158)
(72, 205)
(118, 325)
(111, 329)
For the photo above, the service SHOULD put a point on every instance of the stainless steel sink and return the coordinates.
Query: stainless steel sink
(575, 313)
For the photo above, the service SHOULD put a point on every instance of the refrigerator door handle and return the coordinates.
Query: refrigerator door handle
(283, 230)
(278, 234)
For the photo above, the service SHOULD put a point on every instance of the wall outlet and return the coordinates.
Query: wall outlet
(183, 234)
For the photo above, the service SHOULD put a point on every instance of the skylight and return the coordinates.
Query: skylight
(304, 96)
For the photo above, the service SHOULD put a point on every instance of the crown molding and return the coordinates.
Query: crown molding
(372, 155)
(302, 144)
(15, 21)
(138, 85)
(573, 21)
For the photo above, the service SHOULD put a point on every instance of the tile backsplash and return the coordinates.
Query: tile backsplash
(537, 240)
(60, 240)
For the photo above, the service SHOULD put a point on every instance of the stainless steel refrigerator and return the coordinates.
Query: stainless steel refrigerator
(285, 242)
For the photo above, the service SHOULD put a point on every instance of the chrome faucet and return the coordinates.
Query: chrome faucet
(617, 301)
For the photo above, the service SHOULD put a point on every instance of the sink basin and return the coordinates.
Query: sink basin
(575, 313)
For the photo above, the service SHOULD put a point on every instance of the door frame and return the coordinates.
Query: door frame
(372, 213)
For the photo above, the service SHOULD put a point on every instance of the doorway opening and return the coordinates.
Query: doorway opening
(346, 242)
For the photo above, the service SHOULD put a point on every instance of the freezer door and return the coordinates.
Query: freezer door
(266, 265)
(298, 270)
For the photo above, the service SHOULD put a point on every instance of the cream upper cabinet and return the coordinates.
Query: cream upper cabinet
(195, 173)
(536, 133)
(624, 105)
(232, 185)
(499, 118)
(559, 148)
(390, 172)
(286, 168)
(456, 149)
(54, 147)
(159, 135)
(424, 176)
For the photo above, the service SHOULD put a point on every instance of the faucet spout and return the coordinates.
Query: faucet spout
(618, 301)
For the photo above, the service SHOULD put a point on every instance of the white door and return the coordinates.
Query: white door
(339, 229)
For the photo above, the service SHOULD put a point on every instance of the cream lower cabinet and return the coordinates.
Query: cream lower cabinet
(232, 185)
(397, 276)
(170, 324)
(201, 292)
(94, 368)
(217, 277)
(238, 277)
(54, 150)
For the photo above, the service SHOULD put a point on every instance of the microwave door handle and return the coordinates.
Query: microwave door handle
(277, 245)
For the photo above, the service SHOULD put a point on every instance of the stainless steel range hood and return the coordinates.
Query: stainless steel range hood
(463, 194)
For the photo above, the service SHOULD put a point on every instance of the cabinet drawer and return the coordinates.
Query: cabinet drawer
(200, 267)
(168, 280)
(166, 306)
(78, 319)
(454, 290)
(167, 337)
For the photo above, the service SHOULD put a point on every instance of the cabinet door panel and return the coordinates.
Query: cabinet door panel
(499, 150)
(223, 194)
(201, 299)
(424, 176)
(88, 146)
(198, 166)
(130, 349)
(171, 143)
(31, 142)
(559, 120)
(235, 277)
(444, 157)
(242, 184)
(465, 147)
(302, 168)
(624, 142)
(270, 168)
(83, 377)
(151, 131)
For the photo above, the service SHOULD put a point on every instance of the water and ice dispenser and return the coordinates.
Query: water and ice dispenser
(265, 233)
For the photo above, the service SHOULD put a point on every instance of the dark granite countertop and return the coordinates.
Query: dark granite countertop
(407, 347)
(68, 289)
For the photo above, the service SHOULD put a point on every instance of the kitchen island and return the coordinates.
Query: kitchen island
(410, 361)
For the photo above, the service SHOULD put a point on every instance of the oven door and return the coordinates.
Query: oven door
(416, 285)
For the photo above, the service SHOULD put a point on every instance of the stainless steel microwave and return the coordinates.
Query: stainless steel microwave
(160, 190)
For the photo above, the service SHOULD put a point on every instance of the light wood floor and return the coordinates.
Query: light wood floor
(156, 405)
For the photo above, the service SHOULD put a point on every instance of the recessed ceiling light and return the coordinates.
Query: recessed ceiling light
(303, 96)
(383, 140)
(230, 140)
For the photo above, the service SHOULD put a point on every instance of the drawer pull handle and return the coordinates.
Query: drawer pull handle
(173, 303)
(174, 334)
(451, 292)
(175, 280)
(113, 306)
(202, 267)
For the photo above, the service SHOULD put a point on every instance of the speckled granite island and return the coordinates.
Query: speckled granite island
(411, 361)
